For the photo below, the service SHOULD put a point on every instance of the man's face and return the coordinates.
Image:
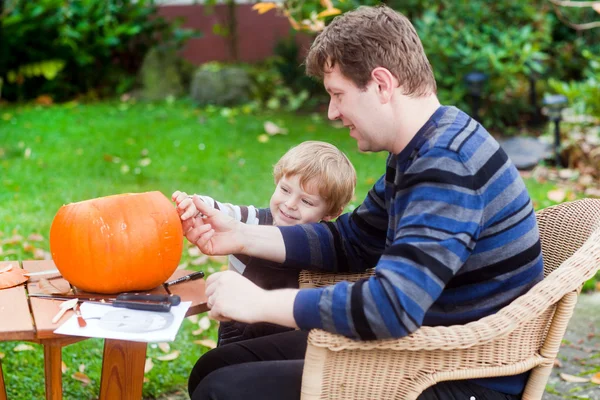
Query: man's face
(291, 204)
(359, 110)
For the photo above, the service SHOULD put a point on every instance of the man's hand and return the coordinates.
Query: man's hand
(214, 232)
(185, 206)
(233, 297)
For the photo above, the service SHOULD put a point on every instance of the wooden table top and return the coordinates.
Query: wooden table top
(16, 322)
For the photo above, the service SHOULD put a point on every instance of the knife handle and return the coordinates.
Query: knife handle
(139, 305)
(190, 277)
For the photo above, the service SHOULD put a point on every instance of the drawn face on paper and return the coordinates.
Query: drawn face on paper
(134, 321)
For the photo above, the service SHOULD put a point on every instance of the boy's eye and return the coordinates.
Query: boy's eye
(285, 190)
(308, 202)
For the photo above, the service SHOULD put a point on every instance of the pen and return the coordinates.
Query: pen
(190, 277)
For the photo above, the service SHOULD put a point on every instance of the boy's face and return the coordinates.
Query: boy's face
(359, 110)
(291, 205)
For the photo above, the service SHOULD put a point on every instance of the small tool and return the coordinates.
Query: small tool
(63, 308)
(135, 301)
(80, 321)
(189, 277)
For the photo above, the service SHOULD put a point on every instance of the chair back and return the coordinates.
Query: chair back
(564, 228)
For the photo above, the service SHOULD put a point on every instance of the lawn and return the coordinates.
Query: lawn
(50, 156)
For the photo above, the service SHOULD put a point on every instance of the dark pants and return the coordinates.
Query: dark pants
(270, 367)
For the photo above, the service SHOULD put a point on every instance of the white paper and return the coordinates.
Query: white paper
(108, 322)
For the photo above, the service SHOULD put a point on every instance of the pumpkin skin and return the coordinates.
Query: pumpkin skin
(121, 243)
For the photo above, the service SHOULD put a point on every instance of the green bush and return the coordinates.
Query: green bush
(101, 43)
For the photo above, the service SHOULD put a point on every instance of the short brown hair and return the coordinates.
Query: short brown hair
(323, 165)
(370, 37)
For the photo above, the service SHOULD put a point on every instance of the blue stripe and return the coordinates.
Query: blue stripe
(432, 192)
(306, 309)
(340, 302)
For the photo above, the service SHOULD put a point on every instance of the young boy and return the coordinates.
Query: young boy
(314, 182)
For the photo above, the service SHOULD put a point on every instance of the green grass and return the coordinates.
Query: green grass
(66, 153)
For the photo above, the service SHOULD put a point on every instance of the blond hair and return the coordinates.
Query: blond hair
(322, 166)
(370, 37)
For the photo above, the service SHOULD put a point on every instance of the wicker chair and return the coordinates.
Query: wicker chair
(524, 335)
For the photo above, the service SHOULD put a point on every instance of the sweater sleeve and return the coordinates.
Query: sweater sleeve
(245, 214)
(353, 243)
(436, 216)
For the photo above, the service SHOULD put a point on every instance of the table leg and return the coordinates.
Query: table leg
(122, 370)
(53, 371)
(2, 387)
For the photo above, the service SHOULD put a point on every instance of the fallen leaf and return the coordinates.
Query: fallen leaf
(81, 377)
(63, 367)
(2, 355)
(81, 368)
(35, 237)
(194, 252)
(164, 346)
(148, 365)
(169, 357)
(219, 259)
(273, 129)
(204, 323)
(329, 12)
(557, 363)
(206, 343)
(598, 286)
(596, 378)
(263, 7)
(193, 318)
(197, 332)
(263, 138)
(200, 260)
(572, 378)
(23, 347)
(41, 254)
(557, 195)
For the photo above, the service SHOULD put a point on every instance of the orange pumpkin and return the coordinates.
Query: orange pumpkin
(121, 243)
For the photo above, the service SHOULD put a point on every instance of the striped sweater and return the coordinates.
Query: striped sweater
(449, 228)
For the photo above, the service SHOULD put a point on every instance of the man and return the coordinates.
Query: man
(449, 227)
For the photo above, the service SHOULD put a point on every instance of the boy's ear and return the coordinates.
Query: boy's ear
(334, 216)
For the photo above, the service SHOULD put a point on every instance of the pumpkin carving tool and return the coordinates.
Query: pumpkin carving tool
(134, 301)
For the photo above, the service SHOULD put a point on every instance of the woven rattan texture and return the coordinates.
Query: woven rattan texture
(522, 336)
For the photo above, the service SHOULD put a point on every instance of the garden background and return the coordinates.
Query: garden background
(102, 97)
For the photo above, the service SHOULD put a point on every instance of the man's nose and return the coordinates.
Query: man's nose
(332, 112)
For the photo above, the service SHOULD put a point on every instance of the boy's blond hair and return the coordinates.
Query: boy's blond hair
(370, 37)
(322, 166)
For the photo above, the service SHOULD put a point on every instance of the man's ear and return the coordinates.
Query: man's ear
(386, 83)
(328, 218)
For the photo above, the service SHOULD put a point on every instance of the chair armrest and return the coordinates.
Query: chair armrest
(315, 279)
(577, 269)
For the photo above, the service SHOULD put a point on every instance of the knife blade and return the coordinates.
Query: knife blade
(135, 301)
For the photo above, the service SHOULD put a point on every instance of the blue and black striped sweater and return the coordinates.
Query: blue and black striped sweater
(449, 228)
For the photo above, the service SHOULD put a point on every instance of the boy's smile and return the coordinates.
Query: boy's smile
(291, 204)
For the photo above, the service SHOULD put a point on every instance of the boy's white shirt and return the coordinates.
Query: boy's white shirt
(235, 212)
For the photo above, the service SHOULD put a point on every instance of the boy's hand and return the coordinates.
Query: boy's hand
(185, 206)
(214, 232)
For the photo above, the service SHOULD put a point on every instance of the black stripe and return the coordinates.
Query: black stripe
(418, 256)
(458, 133)
(500, 268)
(478, 180)
(507, 228)
(458, 150)
(341, 264)
(435, 229)
(366, 227)
(511, 214)
(358, 313)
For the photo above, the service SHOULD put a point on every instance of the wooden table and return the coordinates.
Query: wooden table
(30, 319)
